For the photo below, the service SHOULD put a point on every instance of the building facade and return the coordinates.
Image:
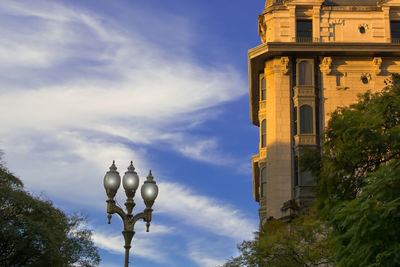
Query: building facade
(315, 56)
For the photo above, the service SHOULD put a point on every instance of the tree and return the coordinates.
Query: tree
(35, 233)
(302, 242)
(358, 179)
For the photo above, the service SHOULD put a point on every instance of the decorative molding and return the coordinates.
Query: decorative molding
(377, 62)
(338, 21)
(285, 65)
(325, 65)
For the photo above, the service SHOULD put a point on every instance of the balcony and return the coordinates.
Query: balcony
(306, 39)
(305, 139)
(396, 40)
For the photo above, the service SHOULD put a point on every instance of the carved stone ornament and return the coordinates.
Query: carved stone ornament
(338, 21)
(285, 65)
(325, 65)
(366, 78)
(377, 62)
(262, 29)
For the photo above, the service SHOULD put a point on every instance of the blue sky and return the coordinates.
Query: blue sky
(162, 83)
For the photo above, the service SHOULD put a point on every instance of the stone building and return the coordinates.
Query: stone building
(315, 56)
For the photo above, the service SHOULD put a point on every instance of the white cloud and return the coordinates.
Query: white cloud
(141, 247)
(203, 212)
(206, 253)
(115, 83)
(77, 91)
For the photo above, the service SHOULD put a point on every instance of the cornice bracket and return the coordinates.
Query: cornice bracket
(377, 62)
(285, 65)
(326, 65)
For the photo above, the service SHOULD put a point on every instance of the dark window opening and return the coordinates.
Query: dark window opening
(263, 182)
(304, 31)
(305, 73)
(264, 133)
(263, 89)
(306, 119)
(395, 31)
(296, 171)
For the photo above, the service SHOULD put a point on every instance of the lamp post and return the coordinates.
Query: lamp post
(130, 182)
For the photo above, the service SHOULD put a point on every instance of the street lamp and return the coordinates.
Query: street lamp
(130, 182)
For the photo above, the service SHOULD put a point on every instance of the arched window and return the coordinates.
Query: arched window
(306, 119)
(263, 181)
(305, 73)
(263, 89)
(263, 133)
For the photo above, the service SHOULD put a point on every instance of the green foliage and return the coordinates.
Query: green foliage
(367, 229)
(358, 140)
(35, 233)
(303, 242)
(358, 179)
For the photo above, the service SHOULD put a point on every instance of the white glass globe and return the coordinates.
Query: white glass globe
(149, 191)
(130, 181)
(112, 181)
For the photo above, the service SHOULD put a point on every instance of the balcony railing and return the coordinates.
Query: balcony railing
(396, 40)
(306, 39)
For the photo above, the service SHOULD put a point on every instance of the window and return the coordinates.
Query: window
(264, 133)
(305, 73)
(263, 181)
(395, 31)
(296, 171)
(304, 31)
(263, 89)
(295, 121)
(306, 119)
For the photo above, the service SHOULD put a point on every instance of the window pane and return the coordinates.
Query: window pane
(263, 89)
(395, 29)
(305, 73)
(264, 133)
(304, 29)
(296, 171)
(263, 181)
(264, 126)
(306, 119)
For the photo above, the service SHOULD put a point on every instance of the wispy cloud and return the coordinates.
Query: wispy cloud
(204, 212)
(145, 245)
(77, 71)
(78, 90)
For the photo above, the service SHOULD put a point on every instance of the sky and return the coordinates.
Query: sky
(161, 83)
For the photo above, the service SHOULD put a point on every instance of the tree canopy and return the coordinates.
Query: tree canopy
(358, 179)
(303, 242)
(35, 233)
